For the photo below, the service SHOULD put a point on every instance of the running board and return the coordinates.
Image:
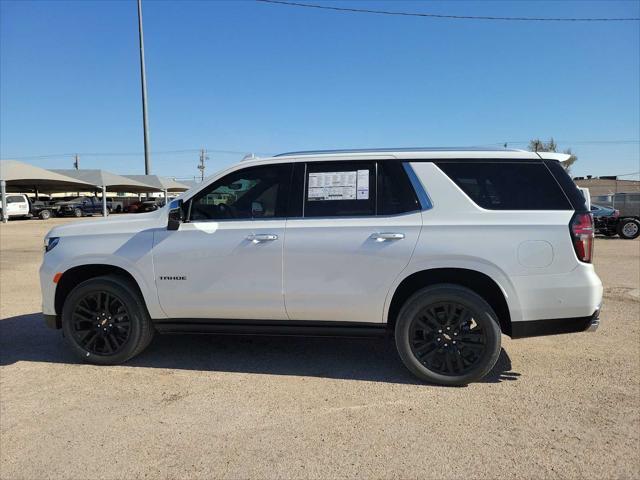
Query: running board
(270, 327)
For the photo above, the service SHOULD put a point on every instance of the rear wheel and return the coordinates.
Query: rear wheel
(77, 212)
(105, 321)
(448, 334)
(629, 228)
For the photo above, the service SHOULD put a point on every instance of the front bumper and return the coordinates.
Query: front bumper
(538, 328)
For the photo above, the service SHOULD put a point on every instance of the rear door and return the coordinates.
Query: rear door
(356, 230)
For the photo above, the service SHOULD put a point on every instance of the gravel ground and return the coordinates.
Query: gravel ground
(240, 407)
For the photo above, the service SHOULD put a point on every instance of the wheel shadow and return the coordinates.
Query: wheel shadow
(26, 338)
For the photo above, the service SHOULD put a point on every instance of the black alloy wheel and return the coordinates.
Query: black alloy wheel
(101, 323)
(448, 334)
(446, 339)
(105, 320)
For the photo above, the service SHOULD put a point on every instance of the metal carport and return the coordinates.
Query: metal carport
(108, 181)
(165, 184)
(22, 177)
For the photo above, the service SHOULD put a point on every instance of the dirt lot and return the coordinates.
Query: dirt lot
(239, 407)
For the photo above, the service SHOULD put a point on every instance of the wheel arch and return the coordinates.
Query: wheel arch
(479, 282)
(74, 276)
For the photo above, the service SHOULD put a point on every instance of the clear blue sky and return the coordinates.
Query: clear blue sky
(251, 77)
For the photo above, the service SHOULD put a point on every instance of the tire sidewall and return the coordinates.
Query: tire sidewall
(77, 212)
(45, 215)
(114, 288)
(482, 313)
(622, 224)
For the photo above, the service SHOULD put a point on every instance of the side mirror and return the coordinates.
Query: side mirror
(257, 209)
(175, 215)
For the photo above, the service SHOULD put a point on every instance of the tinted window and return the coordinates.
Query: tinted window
(395, 192)
(15, 199)
(340, 189)
(508, 186)
(567, 184)
(256, 192)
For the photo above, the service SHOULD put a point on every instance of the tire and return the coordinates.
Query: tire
(111, 335)
(45, 214)
(448, 334)
(77, 212)
(119, 209)
(629, 228)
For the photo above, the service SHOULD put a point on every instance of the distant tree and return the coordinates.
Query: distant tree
(538, 145)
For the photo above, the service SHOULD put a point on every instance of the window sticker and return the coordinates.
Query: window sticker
(363, 185)
(334, 185)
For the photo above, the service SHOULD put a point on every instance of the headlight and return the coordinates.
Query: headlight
(50, 242)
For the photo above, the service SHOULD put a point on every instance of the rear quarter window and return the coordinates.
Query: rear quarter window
(507, 185)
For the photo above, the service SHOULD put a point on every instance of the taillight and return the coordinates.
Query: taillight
(582, 235)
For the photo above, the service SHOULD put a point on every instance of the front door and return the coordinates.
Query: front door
(225, 260)
(360, 223)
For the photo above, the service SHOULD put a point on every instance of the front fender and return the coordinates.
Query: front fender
(132, 253)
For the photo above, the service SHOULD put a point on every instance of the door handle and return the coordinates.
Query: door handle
(262, 237)
(384, 236)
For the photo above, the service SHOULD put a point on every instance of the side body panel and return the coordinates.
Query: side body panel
(335, 271)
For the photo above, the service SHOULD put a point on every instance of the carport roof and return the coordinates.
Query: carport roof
(162, 183)
(23, 177)
(112, 182)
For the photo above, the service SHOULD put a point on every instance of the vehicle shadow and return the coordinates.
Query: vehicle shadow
(26, 338)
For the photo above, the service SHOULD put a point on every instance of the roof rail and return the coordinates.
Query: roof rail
(403, 149)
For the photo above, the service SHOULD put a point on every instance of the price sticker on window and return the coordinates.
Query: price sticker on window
(327, 186)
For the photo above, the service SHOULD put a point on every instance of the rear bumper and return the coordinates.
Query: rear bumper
(538, 328)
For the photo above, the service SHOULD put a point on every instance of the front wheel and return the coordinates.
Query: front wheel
(629, 228)
(448, 334)
(77, 212)
(45, 215)
(105, 321)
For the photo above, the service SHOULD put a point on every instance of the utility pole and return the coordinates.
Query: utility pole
(143, 79)
(201, 166)
(76, 162)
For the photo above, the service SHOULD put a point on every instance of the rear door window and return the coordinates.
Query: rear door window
(507, 185)
(395, 192)
(340, 189)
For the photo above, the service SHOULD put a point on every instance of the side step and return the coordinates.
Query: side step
(270, 327)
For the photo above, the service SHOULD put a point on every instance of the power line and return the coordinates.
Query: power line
(450, 17)
(565, 142)
(124, 154)
(239, 152)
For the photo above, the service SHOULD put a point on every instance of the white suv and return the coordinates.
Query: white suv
(443, 249)
(17, 206)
